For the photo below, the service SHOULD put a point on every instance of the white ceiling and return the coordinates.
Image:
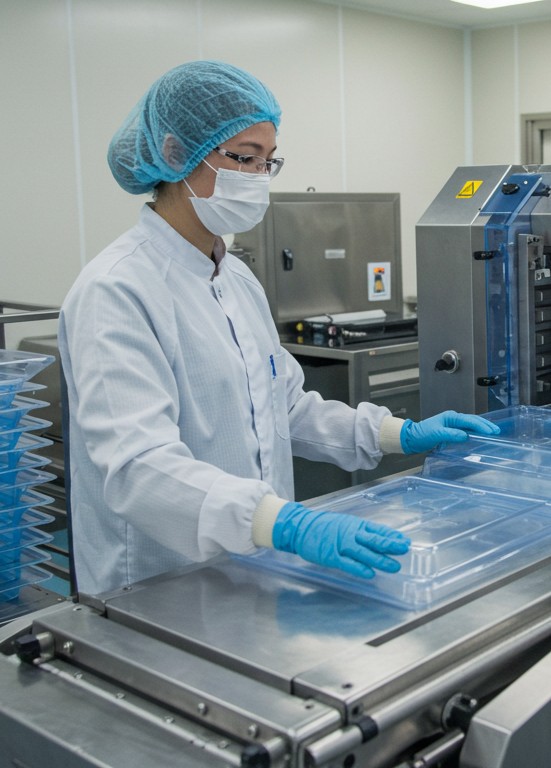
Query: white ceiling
(448, 13)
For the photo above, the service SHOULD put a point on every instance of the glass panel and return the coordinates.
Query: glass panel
(509, 210)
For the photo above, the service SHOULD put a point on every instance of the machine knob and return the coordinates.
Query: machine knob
(459, 711)
(34, 649)
(510, 188)
(449, 362)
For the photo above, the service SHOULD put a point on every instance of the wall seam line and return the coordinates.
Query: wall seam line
(342, 89)
(468, 96)
(76, 133)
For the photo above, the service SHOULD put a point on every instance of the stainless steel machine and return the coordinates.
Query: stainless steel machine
(240, 663)
(227, 664)
(326, 254)
(484, 291)
(331, 266)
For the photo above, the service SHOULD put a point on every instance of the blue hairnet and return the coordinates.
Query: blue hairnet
(184, 115)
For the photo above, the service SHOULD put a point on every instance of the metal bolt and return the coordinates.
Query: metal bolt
(253, 730)
(68, 647)
(78, 675)
(168, 719)
(202, 708)
(120, 695)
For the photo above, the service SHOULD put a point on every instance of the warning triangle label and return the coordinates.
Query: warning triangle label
(468, 189)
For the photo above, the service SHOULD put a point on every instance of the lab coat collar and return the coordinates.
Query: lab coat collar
(177, 247)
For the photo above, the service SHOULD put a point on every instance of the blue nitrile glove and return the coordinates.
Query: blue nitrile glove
(446, 427)
(338, 540)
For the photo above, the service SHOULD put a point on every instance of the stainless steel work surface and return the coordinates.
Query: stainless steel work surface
(336, 646)
(259, 620)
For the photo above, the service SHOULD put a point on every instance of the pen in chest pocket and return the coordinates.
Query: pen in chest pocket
(272, 364)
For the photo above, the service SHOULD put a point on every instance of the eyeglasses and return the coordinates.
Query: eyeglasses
(253, 163)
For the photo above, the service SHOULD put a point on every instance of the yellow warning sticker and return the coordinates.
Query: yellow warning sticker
(468, 189)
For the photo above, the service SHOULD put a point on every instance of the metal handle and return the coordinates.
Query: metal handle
(288, 259)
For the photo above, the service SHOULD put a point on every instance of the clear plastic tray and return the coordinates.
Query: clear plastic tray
(524, 424)
(20, 558)
(493, 464)
(10, 437)
(10, 385)
(11, 415)
(15, 362)
(10, 545)
(461, 538)
(9, 475)
(23, 577)
(9, 457)
(24, 514)
(10, 493)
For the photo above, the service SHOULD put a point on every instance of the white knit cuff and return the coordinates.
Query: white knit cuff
(389, 435)
(264, 518)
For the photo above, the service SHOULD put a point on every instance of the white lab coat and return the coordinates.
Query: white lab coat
(184, 408)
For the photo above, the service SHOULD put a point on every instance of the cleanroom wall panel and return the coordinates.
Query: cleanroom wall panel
(364, 109)
(404, 114)
(122, 47)
(494, 96)
(115, 41)
(534, 82)
(293, 47)
(39, 223)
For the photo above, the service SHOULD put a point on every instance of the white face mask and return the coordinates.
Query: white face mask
(237, 204)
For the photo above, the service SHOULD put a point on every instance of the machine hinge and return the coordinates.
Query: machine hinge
(487, 381)
(484, 255)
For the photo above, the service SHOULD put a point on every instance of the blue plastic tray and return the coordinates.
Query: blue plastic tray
(21, 577)
(15, 362)
(10, 385)
(19, 558)
(461, 537)
(10, 437)
(22, 481)
(494, 465)
(9, 457)
(24, 514)
(28, 537)
(9, 475)
(11, 415)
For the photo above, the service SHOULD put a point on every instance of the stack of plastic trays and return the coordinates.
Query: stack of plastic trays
(461, 539)
(21, 474)
(518, 460)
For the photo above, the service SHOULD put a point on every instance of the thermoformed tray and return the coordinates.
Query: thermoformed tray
(461, 538)
(11, 415)
(24, 515)
(11, 545)
(9, 457)
(16, 362)
(21, 577)
(517, 460)
(10, 385)
(19, 558)
(9, 475)
(524, 424)
(11, 492)
(494, 464)
(11, 436)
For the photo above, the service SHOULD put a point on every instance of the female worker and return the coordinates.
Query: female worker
(184, 408)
